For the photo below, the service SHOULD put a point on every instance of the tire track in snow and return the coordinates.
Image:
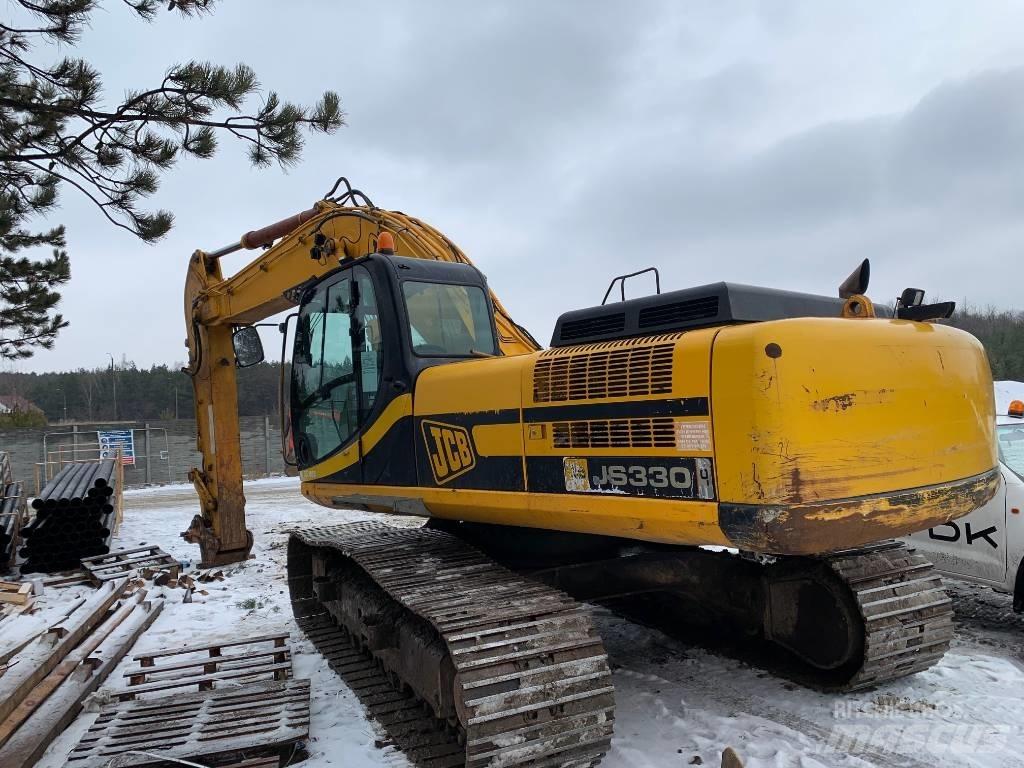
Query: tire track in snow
(702, 684)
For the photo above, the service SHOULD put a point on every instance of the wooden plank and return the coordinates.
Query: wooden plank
(97, 558)
(40, 657)
(171, 708)
(195, 676)
(281, 636)
(20, 596)
(16, 635)
(200, 680)
(160, 730)
(30, 741)
(134, 563)
(126, 573)
(256, 762)
(49, 684)
(67, 579)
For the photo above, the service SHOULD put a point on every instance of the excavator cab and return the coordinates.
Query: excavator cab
(364, 333)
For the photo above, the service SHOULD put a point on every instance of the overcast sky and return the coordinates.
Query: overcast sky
(560, 144)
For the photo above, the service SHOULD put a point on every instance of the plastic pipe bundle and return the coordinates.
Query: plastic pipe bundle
(74, 518)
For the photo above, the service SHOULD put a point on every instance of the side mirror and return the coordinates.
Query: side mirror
(911, 297)
(248, 346)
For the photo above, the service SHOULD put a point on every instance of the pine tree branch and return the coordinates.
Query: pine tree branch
(56, 132)
(85, 192)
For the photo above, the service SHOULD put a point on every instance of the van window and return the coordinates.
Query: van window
(1011, 447)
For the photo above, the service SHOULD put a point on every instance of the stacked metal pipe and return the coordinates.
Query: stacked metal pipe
(74, 518)
(11, 510)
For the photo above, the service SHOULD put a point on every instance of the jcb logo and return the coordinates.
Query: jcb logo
(450, 450)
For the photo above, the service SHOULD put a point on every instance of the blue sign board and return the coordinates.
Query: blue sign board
(111, 440)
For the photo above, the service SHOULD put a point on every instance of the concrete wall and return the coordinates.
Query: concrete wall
(172, 448)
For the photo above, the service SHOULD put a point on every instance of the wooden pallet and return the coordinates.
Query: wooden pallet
(208, 666)
(126, 562)
(262, 718)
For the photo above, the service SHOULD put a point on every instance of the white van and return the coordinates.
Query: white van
(986, 546)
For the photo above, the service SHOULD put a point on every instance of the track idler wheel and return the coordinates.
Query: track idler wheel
(813, 615)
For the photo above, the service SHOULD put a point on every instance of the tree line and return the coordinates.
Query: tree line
(1002, 333)
(142, 394)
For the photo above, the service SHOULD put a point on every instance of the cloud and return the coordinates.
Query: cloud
(774, 143)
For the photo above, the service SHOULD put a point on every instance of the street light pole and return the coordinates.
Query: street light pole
(113, 380)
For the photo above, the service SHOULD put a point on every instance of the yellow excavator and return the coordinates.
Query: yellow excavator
(742, 456)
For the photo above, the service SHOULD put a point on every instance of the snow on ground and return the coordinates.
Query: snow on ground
(676, 705)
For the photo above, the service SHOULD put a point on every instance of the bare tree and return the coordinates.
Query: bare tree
(88, 383)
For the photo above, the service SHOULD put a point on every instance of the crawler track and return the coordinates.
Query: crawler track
(531, 683)
(889, 610)
(908, 617)
(408, 723)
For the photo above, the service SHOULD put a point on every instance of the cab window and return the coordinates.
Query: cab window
(448, 320)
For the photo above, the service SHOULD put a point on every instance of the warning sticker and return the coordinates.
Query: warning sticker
(693, 436)
(577, 477)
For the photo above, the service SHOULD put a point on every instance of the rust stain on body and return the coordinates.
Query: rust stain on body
(835, 403)
(839, 403)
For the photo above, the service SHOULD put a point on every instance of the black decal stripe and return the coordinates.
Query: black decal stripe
(391, 461)
(687, 406)
(491, 473)
(546, 474)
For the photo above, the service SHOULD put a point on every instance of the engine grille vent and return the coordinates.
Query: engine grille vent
(657, 432)
(593, 326)
(602, 371)
(704, 308)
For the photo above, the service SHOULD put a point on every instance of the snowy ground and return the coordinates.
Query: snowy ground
(676, 705)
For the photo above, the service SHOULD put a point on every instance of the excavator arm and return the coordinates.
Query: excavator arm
(295, 251)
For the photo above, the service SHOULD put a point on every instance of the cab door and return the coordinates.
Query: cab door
(351, 399)
(326, 381)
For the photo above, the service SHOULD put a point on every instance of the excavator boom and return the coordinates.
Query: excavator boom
(296, 251)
